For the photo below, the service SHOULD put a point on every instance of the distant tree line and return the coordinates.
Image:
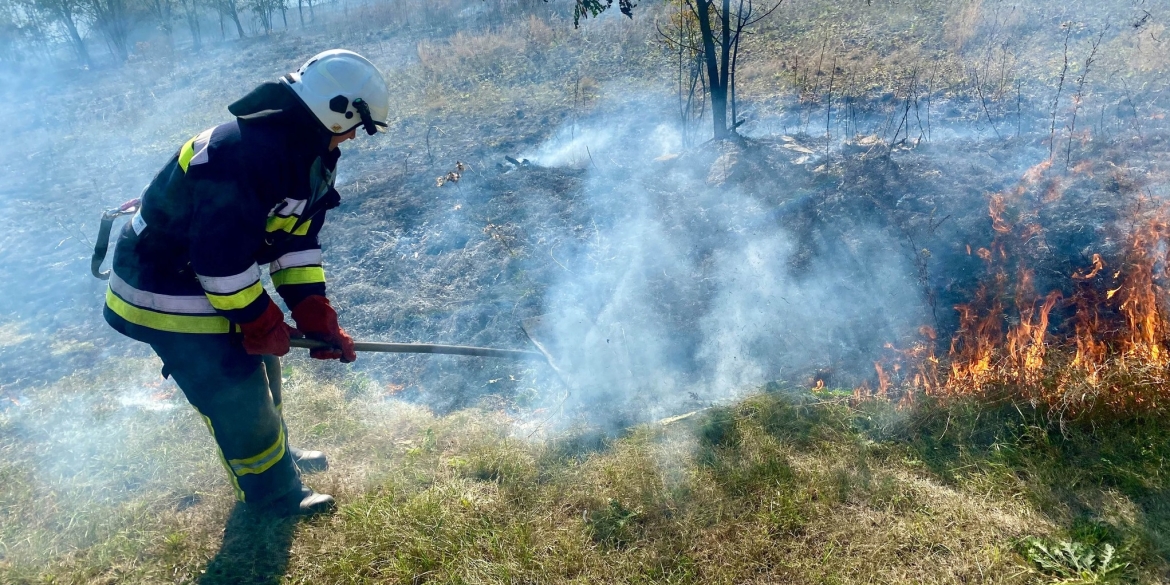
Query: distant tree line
(31, 29)
(41, 30)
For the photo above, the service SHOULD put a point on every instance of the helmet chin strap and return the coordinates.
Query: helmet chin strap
(367, 119)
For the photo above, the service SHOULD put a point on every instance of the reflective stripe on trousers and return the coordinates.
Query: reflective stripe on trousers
(231, 391)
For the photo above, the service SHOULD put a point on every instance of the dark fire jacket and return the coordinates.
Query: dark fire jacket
(235, 197)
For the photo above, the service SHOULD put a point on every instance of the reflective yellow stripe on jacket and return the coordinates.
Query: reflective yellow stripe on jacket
(285, 218)
(166, 321)
(228, 293)
(288, 224)
(237, 300)
(194, 152)
(301, 267)
(304, 275)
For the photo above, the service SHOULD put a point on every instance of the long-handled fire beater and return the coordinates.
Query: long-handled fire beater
(101, 247)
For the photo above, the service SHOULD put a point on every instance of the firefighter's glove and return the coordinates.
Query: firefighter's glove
(269, 334)
(317, 319)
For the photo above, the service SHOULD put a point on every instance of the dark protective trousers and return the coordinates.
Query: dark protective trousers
(241, 407)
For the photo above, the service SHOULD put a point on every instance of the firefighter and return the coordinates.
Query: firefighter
(186, 270)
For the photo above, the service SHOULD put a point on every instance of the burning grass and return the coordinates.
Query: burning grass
(1095, 344)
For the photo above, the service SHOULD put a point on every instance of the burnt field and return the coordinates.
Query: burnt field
(799, 255)
(871, 215)
(707, 269)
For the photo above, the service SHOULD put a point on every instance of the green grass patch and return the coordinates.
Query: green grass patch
(776, 488)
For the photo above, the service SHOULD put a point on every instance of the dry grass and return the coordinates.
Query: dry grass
(775, 489)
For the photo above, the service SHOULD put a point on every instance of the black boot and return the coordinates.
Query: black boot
(300, 502)
(309, 461)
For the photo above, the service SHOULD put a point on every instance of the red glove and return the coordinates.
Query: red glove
(317, 319)
(269, 334)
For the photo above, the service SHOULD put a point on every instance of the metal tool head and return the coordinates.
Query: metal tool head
(582, 351)
(541, 333)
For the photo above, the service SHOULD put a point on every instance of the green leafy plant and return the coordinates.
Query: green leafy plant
(614, 525)
(1074, 562)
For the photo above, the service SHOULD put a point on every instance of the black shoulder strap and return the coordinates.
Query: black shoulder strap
(102, 245)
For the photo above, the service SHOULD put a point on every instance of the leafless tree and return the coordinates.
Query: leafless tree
(38, 30)
(23, 32)
(191, 12)
(10, 32)
(112, 18)
(263, 10)
(230, 9)
(163, 12)
(722, 24)
(69, 13)
(301, 11)
(680, 34)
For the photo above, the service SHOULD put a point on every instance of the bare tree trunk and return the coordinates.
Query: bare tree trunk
(70, 23)
(717, 81)
(111, 18)
(301, 11)
(38, 37)
(741, 18)
(169, 33)
(234, 14)
(163, 10)
(193, 24)
(725, 42)
(265, 14)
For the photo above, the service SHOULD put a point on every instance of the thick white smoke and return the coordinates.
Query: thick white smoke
(686, 289)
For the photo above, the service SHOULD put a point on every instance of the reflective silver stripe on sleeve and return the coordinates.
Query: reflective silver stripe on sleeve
(186, 305)
(200, 146)
(138, 223)
(224, 285)
(292, 207)
(294, 259)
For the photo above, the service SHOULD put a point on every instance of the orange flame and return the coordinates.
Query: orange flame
(1116, 322)
(1116, 316)
(1139, 294)
(1091, 351)
(997, 206)
(974, 345)
(1026, 341)
(1098, 265)
(1034, 174)
(883, 380)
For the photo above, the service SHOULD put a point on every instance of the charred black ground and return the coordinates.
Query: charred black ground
(863, 202)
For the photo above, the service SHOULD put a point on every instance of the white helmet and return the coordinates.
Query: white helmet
(343, 89)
